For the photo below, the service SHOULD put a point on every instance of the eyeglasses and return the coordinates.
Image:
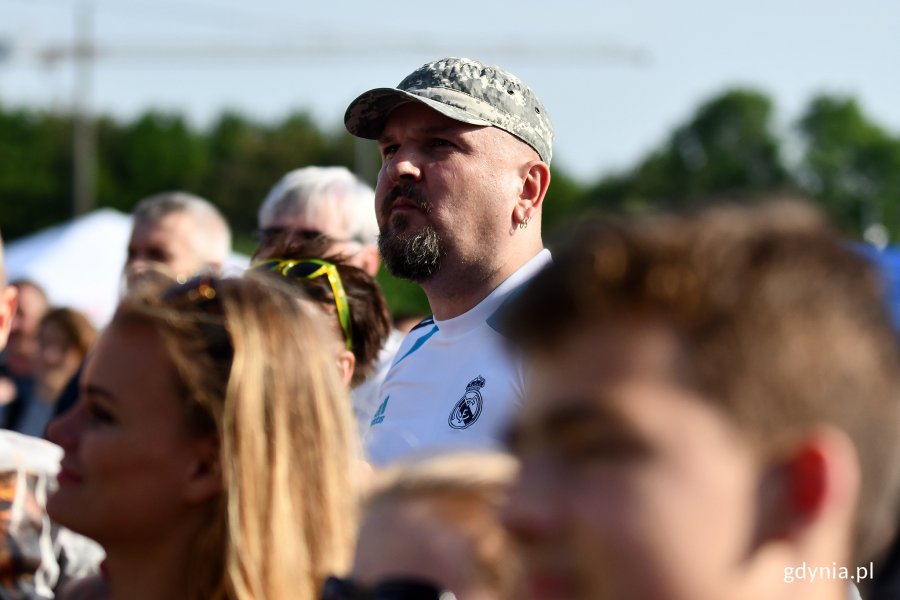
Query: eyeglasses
(310, 268)
(267, 234)
(336, 588)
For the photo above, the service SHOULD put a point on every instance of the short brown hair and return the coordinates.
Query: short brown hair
(783, 325)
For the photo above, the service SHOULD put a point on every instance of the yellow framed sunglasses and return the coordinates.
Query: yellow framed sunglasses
(310, 268)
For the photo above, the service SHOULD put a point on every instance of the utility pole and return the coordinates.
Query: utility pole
(83, 137)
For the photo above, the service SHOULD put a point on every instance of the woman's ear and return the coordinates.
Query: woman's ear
(346, 363)
(204, 475)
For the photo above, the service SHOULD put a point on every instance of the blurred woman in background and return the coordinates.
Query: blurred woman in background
(211, 452)
(64, 337)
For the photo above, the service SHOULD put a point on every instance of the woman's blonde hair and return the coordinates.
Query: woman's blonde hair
(256, 374)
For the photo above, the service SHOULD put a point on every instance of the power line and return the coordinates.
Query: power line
(85, 52)
(571, 53)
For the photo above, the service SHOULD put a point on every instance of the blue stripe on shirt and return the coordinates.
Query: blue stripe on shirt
(419, 343)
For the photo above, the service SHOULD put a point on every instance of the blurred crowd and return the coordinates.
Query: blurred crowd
(695, 406)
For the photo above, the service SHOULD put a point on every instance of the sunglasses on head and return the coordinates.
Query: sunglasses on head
(310, 268)
(199, 290)
(336, 588)
(200, 295)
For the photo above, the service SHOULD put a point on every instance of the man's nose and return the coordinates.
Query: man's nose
(403, 166)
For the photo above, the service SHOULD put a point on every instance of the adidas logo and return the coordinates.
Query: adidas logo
(379, 414)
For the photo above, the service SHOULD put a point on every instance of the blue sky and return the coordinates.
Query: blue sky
(608, 112)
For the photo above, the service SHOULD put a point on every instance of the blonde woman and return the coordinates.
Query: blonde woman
(211, 452)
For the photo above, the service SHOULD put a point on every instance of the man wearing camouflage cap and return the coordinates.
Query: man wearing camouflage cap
(465, 153)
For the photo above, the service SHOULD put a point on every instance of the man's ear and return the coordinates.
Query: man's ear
(204, 472)
(816, 483)
(9, 296)
(346, 362)
(535, 182)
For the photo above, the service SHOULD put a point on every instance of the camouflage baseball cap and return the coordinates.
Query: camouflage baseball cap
(465, 90)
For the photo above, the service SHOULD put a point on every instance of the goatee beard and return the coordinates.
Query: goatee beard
(417, 256)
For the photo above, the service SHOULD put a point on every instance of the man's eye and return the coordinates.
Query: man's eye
(585, 446)
(158, 255)
(388, 150)
(441, 143)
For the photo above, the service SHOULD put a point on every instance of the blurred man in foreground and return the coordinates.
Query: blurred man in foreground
(713, 415)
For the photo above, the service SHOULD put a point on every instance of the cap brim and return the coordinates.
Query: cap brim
(367, 115)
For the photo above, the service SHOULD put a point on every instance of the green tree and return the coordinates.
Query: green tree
(35, 170)
(248, 158)
(727, 148)
(850, 164)
(157, 152)
(565, 197)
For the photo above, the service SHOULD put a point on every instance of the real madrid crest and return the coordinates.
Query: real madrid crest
(467, 410)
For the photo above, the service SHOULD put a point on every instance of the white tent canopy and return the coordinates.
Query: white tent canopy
(79, 263)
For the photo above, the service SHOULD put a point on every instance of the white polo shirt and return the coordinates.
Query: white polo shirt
(454, 384)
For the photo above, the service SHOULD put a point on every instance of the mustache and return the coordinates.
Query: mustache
(408, 191)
